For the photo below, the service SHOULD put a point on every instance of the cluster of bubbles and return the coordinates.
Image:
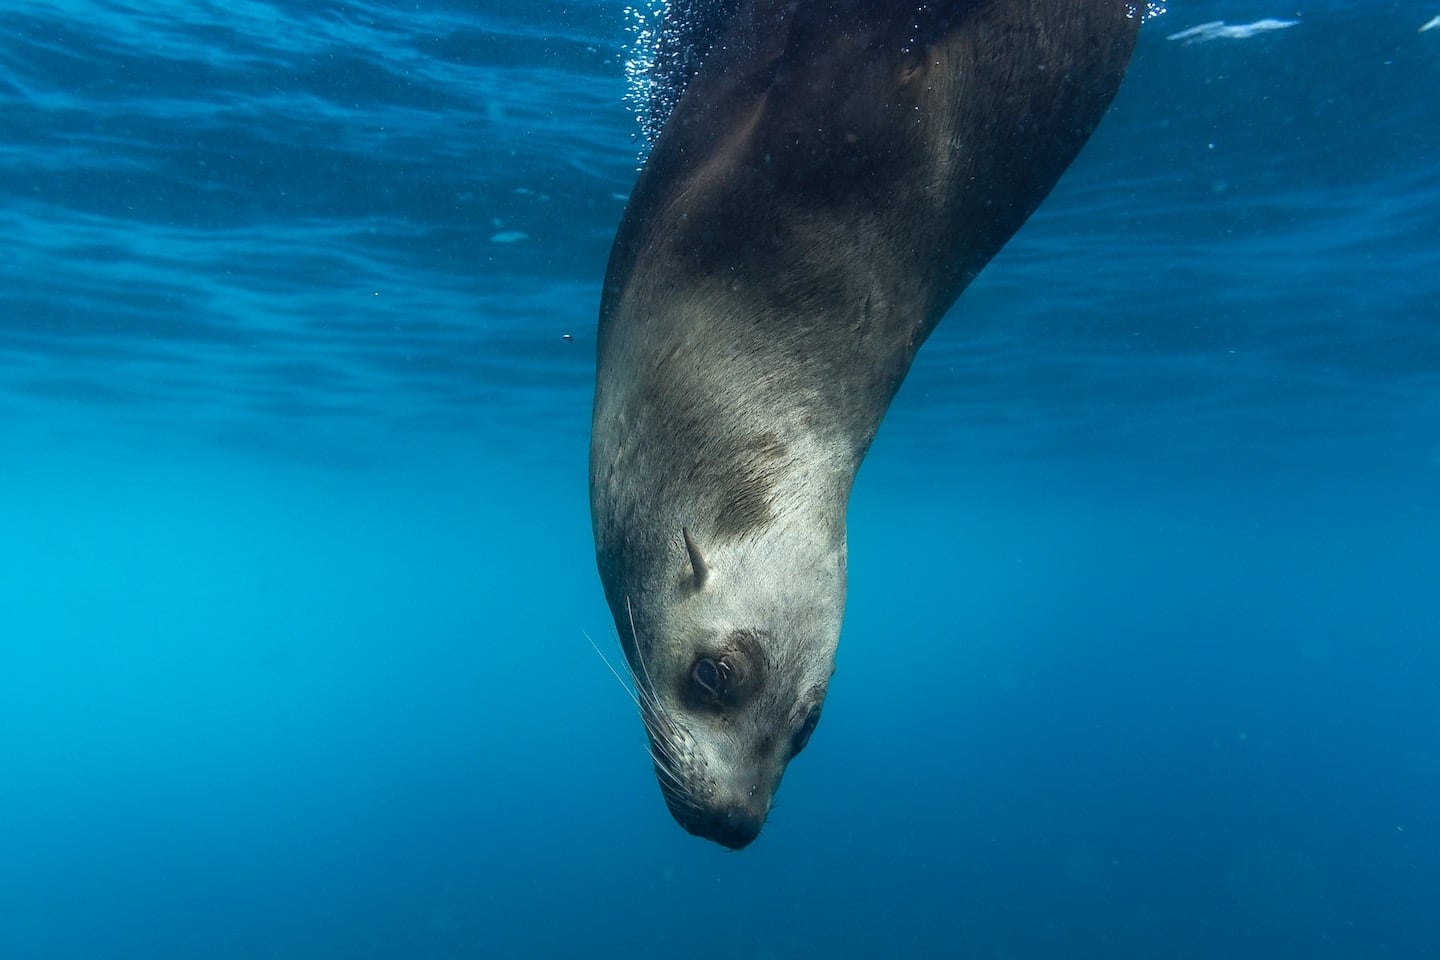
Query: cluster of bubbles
(644, 19)
(1151, 11)
(669, 40)
(664, 52)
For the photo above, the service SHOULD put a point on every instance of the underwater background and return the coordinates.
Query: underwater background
(297, 313)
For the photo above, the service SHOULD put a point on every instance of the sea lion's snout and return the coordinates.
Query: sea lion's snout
(730, 824)
(734, 827)
(737, 706)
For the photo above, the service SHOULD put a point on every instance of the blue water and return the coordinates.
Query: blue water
(1142, 656)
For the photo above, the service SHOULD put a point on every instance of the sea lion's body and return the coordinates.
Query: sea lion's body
(832, 178)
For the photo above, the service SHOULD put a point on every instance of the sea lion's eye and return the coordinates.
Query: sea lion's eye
(802, 736)
(709, 676)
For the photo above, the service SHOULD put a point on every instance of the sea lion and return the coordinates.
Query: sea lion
(832, 177)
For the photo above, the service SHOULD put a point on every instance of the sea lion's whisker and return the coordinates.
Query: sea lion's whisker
(613, 672)
(648, 684)
(668, 736)
(665, 770)
(669, 776)
(662, 757)
(635, 642)
(663, 732)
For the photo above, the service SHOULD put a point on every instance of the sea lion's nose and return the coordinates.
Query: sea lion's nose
(733, 823)
(734, 826)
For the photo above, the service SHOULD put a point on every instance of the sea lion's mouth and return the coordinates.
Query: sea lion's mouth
(732, 823)
(734, 826)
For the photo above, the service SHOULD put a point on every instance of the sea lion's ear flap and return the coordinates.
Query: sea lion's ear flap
(697, 560)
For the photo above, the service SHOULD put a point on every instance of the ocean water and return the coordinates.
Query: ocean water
(297, 302)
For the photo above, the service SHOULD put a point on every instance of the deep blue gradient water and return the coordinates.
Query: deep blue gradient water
(1143, 649)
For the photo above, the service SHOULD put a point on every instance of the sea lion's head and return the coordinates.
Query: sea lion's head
(732, 655)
